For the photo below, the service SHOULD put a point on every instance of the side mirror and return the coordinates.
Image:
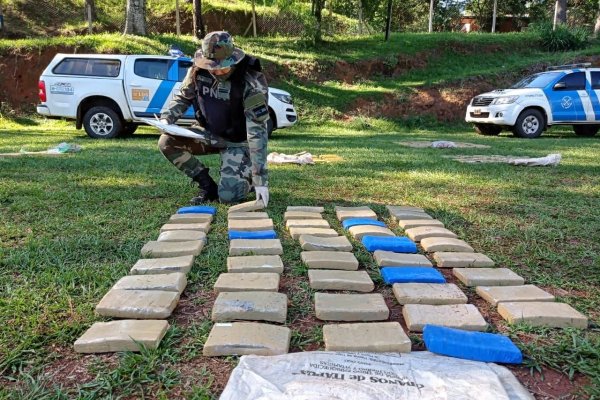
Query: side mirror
(560, 86)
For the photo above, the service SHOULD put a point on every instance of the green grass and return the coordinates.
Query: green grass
(73, 225)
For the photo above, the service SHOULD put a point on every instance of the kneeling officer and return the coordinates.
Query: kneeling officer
(229, 94)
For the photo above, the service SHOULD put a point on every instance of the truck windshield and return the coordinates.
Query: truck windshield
(540, 80)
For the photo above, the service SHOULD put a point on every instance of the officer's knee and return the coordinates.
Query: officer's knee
(233, 192)
(163, 143)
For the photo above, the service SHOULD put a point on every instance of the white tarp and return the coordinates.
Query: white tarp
(369, 376)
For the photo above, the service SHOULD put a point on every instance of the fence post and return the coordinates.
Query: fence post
(177, 22)
(253, 18)
(494, 16)
(555, 21)
(88, 8)
(431, 16)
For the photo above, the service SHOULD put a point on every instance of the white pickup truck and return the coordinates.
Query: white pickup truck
(110, 95)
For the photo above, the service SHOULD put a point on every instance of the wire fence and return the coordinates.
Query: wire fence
(27, 18)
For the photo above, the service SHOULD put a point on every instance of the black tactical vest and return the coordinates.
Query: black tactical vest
(220, 112)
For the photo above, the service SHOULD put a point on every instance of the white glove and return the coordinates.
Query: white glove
(262, 192)
(164, 121)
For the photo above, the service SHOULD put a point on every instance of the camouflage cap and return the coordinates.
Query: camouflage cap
(218, 51)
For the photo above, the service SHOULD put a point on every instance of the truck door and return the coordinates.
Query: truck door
(183, 65)
(595, 93)
(147, 85)
(566, 96)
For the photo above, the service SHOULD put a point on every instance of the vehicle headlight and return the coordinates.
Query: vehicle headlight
(286, 98)
(505, 100)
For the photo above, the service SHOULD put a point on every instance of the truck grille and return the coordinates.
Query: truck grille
(482, 101)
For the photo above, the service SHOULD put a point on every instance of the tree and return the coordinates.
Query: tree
(135, 21)
(597, 24)
(91, 5)
(560, 12)
(198, 23)
(317, 8)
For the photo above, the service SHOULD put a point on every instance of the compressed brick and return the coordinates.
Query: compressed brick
(400, 215)
(316, 243)
(366, 337)
(428, 293)
(197, 210)
(312, 209)
(415, 223)
(329, 260)
(250, 224)
(125, 335)
(395, 209)
(433, 244)
(241, 247)
(137, 304)
(172, 249)
(247, 207)
(182, 236)
(288, 215)
(307, 223)
(344, 213)
(196, 226)
(497, 294)
(351, 307)
(245, 338)
(247, 215)
(359, 231)
(542, 313)
(358, 281)
(460, 316)
(391, 259)
(250, 306)
(255, 264)
(419, 233)
(174, 282)
(247, 282)
(163, 265)
(320, 232)
(488, 277)
(190, 218)
(445, 259)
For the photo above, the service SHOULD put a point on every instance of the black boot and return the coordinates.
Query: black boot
(209, 190)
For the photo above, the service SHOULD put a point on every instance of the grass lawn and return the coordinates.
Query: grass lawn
(73, 225)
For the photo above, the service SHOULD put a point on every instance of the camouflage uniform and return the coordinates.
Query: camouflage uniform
(243, 163)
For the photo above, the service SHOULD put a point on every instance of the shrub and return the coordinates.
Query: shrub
(564, 38)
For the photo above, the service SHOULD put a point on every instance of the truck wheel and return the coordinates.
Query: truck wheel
(530, 124)
(102, 123)
(488, 129)
(586, 130)
(271, 123)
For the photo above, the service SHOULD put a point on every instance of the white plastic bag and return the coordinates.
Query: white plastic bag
(301, 158)
(369, 376)
(550, 159)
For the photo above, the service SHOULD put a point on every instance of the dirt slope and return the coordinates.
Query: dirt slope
(19, 75)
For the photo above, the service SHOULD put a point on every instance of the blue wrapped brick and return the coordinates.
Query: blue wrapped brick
(269, 234)
(477, 346)
(397, 244)
(349, 223)
(411, 275)
(197, 210)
